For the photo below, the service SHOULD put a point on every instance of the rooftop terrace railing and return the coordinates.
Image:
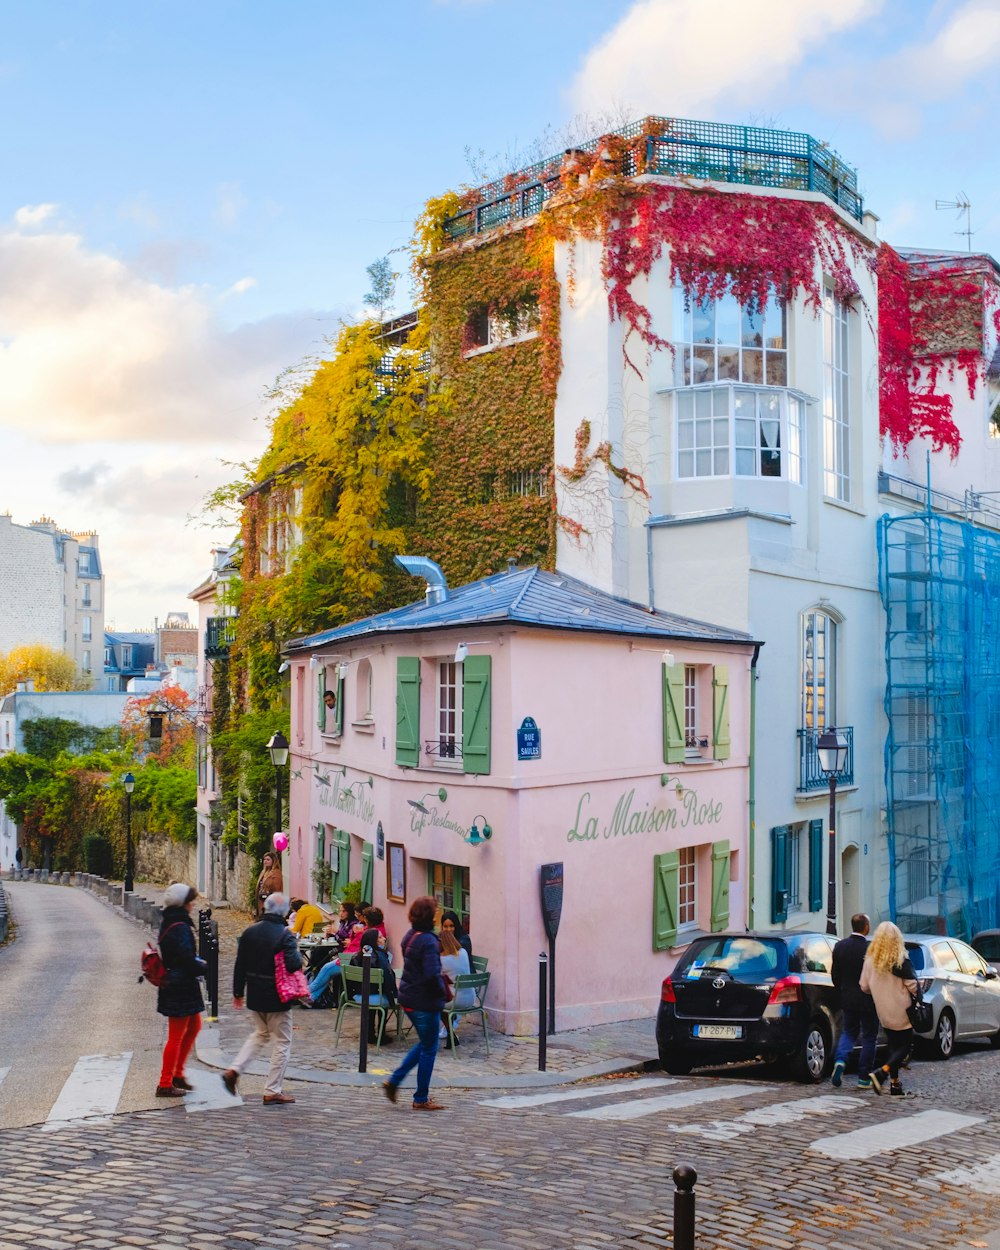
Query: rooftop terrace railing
(677, 147)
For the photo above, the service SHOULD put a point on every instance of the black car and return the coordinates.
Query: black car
(742, 995)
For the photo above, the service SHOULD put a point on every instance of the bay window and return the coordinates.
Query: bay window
(740, 431)
(722, 341)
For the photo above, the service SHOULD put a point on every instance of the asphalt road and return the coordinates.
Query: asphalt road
(69, 989)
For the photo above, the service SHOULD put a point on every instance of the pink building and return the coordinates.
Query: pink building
(522, 720)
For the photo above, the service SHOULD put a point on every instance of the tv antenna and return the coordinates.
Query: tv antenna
(962, 205)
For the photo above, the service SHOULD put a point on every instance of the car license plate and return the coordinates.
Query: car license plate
(724, 1032)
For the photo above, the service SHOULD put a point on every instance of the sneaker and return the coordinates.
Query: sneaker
(389, 1090)
(837, 1075)
(180, 1083)
(230, 1079)
(281, 1099)
(429, 1105)
(897, 1091)
(168, 1091)
(864, 1082)
(877, 1079)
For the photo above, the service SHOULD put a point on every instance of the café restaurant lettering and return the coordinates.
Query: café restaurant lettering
(436, 820)
(627, 819)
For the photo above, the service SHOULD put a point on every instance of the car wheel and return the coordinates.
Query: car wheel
(944, 1036)
(676, 1062)
(812, 1059)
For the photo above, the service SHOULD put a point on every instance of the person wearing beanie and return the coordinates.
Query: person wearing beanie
(179, 995)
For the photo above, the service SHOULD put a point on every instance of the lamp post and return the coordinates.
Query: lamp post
(278, 747)
(128, 783)
(832, 751)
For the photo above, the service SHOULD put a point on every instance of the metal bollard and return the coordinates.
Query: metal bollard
(208, 949)
(684, 1180)
(366, 986)
(543, 989)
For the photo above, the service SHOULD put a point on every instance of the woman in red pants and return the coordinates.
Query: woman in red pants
(179, 995)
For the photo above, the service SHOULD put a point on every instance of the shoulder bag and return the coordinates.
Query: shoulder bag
(290, 985)
(920, 1014)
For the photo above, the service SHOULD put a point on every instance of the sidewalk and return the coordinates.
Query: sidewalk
(511, 1064)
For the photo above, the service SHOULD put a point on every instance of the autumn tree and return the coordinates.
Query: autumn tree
(48, 668)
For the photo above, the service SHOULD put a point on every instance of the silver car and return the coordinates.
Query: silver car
(962, 988)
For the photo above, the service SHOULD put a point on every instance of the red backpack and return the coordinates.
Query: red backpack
(154, 970)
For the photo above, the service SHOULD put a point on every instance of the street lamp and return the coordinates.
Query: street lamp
(128, 783)
(278, 747)
(832, 750)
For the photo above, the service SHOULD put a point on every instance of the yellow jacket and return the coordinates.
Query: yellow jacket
(306, 919)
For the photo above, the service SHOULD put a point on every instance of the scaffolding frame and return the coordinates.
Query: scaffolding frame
(939, 580)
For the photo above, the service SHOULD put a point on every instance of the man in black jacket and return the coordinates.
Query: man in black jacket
(254, 974)
(858, 1007)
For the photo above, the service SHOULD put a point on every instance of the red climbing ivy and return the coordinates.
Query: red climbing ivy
(930, 320)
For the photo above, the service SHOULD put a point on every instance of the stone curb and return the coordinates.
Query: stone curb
(208, 1052)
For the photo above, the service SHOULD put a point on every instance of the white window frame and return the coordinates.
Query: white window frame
(448, 714)
(736, 349)
(727, 410)
(86, 662)
(687, 888)
(85, 594)
(126, 655)
(87, 629)
(795, 867)
(836, 398)
(691, 711)
(818, 683)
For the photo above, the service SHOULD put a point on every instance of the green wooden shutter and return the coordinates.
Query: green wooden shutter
(321, 855)
(339, 710)
(779, 874)
(720, 712)
(367, 852)
(407, 711)
(320, 691)
(476, 672)
(673, 713)
(720, 885)
(342, 841)
(665, 899)
(815, 865)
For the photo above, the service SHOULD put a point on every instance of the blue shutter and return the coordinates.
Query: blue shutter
(779, 874)
(815, 865)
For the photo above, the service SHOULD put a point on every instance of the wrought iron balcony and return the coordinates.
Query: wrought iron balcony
(811, 776)
(677, 147)
(220, 634)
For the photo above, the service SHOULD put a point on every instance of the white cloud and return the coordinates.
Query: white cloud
(688, 58)
(229, 204)
(241, 286)
(90, 349)
(33, 215)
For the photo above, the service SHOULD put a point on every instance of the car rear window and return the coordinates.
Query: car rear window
(744, 958)
(916, 954)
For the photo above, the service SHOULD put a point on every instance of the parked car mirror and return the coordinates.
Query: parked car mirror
(991, 974)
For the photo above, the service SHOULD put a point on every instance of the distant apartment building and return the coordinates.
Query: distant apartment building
(128, 655)
(51, 590)
(177, 642)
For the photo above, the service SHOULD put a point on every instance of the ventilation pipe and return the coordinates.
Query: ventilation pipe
(420, 566)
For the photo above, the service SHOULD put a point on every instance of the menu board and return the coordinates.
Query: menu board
(551, 882)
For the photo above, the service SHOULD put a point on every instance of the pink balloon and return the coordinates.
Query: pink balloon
(280, 842)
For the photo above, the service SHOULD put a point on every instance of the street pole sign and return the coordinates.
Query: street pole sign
(551, 897)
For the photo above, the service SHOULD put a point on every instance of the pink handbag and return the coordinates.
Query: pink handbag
(290, 985)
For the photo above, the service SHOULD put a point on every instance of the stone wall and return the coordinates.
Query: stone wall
(160, 860)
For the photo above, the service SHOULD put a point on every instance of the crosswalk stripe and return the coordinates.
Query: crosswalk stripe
(637, 1107)
(91, 1090)
(209, 1093)
(893, 1135)
(539, 1100)
(984, 1177)
(779, 1114)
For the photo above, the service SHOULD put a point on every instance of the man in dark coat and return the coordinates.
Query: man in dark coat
(254, 976)
(858, 1007)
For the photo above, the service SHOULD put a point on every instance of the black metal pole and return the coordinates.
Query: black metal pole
(831, 893)
(543, 982)
(552, 985)
(684, 1180)
(277, 804)
(129, 880)
(366, 985)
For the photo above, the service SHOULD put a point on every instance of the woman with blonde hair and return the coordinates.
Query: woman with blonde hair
(888, 976)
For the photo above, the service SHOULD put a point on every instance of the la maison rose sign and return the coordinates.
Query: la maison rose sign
(688, 811)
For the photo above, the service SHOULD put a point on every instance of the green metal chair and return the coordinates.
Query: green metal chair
(351, 979)
(480, 982)
(479, 963)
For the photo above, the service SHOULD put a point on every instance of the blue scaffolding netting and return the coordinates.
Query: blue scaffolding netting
(939, 578)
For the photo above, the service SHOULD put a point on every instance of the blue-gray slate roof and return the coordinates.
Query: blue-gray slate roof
(530, 596)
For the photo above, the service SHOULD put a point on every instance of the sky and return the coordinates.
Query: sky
(191, 193)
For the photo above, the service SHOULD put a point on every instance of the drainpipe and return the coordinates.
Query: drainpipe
(752, 806)
(649, 565)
